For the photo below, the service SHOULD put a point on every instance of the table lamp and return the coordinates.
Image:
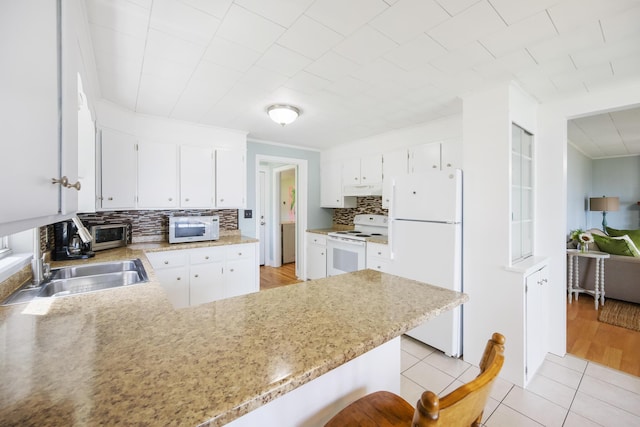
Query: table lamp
(604, 204)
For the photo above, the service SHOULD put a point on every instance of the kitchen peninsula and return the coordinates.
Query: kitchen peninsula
(126, 356)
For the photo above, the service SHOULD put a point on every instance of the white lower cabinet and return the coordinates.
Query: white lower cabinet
(197, 276)
(536, 318)
(378, 257)
(316, 256)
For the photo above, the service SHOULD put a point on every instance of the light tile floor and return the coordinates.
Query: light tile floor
(566, 391)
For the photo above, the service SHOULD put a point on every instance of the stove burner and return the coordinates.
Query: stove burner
(363, 235)
(376, 234)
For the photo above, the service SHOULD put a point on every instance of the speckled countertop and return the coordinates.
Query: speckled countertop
(127, 357)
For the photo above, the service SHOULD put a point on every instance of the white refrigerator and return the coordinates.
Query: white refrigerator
(425, 239)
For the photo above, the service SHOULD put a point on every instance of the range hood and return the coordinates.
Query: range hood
(362, 190)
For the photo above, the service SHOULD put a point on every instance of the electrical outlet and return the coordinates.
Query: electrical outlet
(248, 213)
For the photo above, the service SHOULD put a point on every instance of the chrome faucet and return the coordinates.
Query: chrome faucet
(41, 270)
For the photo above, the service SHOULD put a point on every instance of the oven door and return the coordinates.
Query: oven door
(345, 255)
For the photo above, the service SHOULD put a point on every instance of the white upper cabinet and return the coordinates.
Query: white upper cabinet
(197, 177)
(395, 163)
(157, 175)
(331, 187)
(119, 170)
(38, 138)
(424, 158)
(231, 171)
(451, 155)
(362, 171)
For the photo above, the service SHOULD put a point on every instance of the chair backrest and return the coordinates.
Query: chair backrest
(463, 407)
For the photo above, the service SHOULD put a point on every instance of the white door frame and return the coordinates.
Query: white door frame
(261, 200)
(301, 209)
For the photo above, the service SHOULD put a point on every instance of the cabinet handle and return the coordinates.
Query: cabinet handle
(77, 185)
(64, 181)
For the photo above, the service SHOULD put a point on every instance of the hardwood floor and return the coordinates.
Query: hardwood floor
(613, 346)
(273, 277)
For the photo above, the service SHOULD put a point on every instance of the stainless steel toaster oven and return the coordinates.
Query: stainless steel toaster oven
(108, 236)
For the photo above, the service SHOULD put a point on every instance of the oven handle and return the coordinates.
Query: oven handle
(347, 241)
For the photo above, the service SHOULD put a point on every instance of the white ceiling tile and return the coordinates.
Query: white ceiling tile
(248, 29)
(628, 67)
(156, 97)
(408, 18)
(332, 66)
(477, 21)
(283, 61)
(549, 68)
(523, 33)
(283, 12)
(506, 67)
(116, 45)
(263, 79)
(309, 38)
(515, 10)
(622, 25)
(120, 89)
(569, 14)
(583, 38)
(217, 8)
(453, 7)
(608, 52)
(230, 54)
(183, 21)
(142, 3)
(162, 45)
(365, 45)
(124, 17)
(207, 86)
(465, 57)
(416, 53)
(628, 123)
(124, 68)
(614, 150)
(352, 14)
(307, 82)
(348, 86)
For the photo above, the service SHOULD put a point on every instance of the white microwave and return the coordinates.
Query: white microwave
(185, 229)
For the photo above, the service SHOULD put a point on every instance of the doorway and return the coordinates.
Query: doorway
(281, 203)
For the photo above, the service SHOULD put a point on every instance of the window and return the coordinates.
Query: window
(4, 246)
(521, 193)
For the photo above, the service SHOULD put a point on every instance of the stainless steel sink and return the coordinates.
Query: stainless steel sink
(83, 279)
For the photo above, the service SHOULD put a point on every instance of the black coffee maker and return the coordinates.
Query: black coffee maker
(68, 244)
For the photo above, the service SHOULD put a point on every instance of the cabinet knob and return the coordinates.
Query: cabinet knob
(166, 262)
(186, 200)
(379, 253)
(356, 178)
(448, 165)
(414, 192)
(109, 198)
(364, 177)
(195, 275)
(178, 278)
(321, 253)
(231, 270)
(239, 253)
(379, 267)
(77, 185)
(434, 166)
(222, 200)
(207, 257)
(170, 199)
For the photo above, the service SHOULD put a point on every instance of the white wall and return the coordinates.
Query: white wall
(579, 188)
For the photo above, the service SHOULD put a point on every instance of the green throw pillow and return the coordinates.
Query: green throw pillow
(634, 235)
(622, 245)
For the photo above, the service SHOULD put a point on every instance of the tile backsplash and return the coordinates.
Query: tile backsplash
(365, 205)
(147, 226)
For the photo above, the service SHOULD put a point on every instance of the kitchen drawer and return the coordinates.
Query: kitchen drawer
(379, 264)
(239, 251)
(168, 259)
(206, 255)
(317, 239)
(378, 250)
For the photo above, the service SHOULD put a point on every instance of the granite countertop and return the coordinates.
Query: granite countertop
(126, 356)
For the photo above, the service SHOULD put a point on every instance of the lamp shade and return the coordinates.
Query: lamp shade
(283, 114)
(604, 204)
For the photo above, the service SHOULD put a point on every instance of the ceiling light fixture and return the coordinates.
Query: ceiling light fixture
(283, 114)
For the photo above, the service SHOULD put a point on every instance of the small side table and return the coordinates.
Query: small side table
(573, 287)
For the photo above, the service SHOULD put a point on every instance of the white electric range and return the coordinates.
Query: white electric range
(347, 250)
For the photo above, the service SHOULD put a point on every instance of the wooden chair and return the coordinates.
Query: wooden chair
(462, 407)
